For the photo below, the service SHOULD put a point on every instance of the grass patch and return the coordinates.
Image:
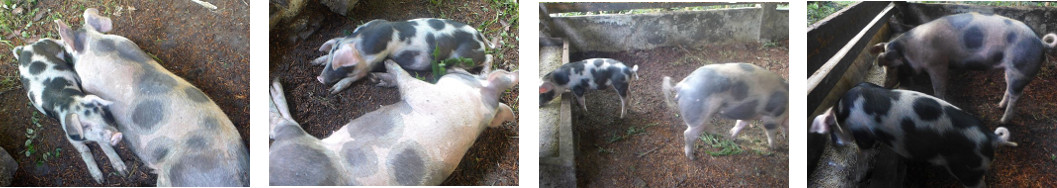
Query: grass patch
(632, 131)
(726, 147)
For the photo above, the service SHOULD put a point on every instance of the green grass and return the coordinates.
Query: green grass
(818, 10)
(726, 146)
(632, 131)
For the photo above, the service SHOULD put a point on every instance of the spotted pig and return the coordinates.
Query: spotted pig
(410, 43)
(54, 89)
(594, 74)
(738, 91)
(967, 41)
(172, 126)
(916, 126)
(416, 141)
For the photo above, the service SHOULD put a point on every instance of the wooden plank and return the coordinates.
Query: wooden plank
(822, 81)
(828, 36)
(552, 8)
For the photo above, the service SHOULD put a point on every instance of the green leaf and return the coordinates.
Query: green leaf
(29, 142)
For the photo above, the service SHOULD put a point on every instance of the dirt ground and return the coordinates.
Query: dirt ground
(209, 48)
(1032, 163)
(493, 160)
(654, 158)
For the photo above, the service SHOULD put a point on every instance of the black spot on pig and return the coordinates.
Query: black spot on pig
(363, 162)
(599, 62)
(601, 76)
(560, 77)
(37, 67)
(152, 82)
(579, 89)
(197, 169)
(1011, 37)
(1007, 22)
(147, 114)
(103, 46)
(375, 37)
(431, 41)
(960, 119)
(455, 23)
(320, 170)
(577, 67)
(973, 38)
(195, 95)
(406, 57)
(770, 126)
(777, 103)
(547, 97)
(864, 139)
(927, 109)
(60, 67)
(158, 149)
(959, 21)
(1028, 53)
(743, 110)
(56, 97)
(465, 40)
(209, 122)
(25, 58)
(746, 67)
(407, 166)
(405, 31)
(436, 24)
(196, 141)
(739, 90)
(878, 101)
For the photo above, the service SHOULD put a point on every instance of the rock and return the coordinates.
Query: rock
(7, 168)
(343, 7)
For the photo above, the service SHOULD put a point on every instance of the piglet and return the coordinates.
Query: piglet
(172, 126)
(738, 91)
(416, 141)
(967, 41)
(594, 74)
(55, 90)
(410, 43)
(916, 126)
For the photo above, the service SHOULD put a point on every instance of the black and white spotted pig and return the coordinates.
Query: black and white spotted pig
(916, 126)
(172, 126)
(594, 74)
(410, 43)
(416, 141)
(738, 91)
(968, 41)
(54, 89)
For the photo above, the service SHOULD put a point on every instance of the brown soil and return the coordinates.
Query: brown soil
(493, 159)
(210, 49)
(605, 163)
(1032, 163)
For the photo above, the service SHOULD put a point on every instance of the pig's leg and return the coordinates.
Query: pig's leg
(115, 160)
(404, 82)
(939, 82)
(383, 79)
(86, 155)
(1015, 83)
(695, 122)
(320, 60)
(578, 93)
(737, 129)
(771, 125)
(342, 84)
(621, 86)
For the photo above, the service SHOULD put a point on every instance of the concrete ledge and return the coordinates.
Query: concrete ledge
(557, 147)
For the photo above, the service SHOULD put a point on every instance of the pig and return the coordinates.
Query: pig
(410, 43)
(55, 90)
(594, 74)
(416, 141)
(916, 126)
(967, 41)
(738, 91)
(172, 126)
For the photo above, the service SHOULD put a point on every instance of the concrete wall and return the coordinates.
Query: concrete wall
(647, 31)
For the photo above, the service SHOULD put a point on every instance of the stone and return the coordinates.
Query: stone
(8, 165)
(343, 7)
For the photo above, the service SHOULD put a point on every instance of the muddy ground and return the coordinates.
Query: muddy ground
(644, 149)
(1032, 163)
(208, 48)
(493, 160)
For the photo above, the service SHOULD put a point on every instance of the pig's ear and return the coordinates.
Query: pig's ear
(878, 48)
(327, 46)
(347, 56)
(95, 21)
(73, 39)
(546, 87)
(95, 99)
(823, 122)
(74, 130)
(503, 114)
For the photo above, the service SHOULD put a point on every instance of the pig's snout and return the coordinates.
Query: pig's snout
(116, 138)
